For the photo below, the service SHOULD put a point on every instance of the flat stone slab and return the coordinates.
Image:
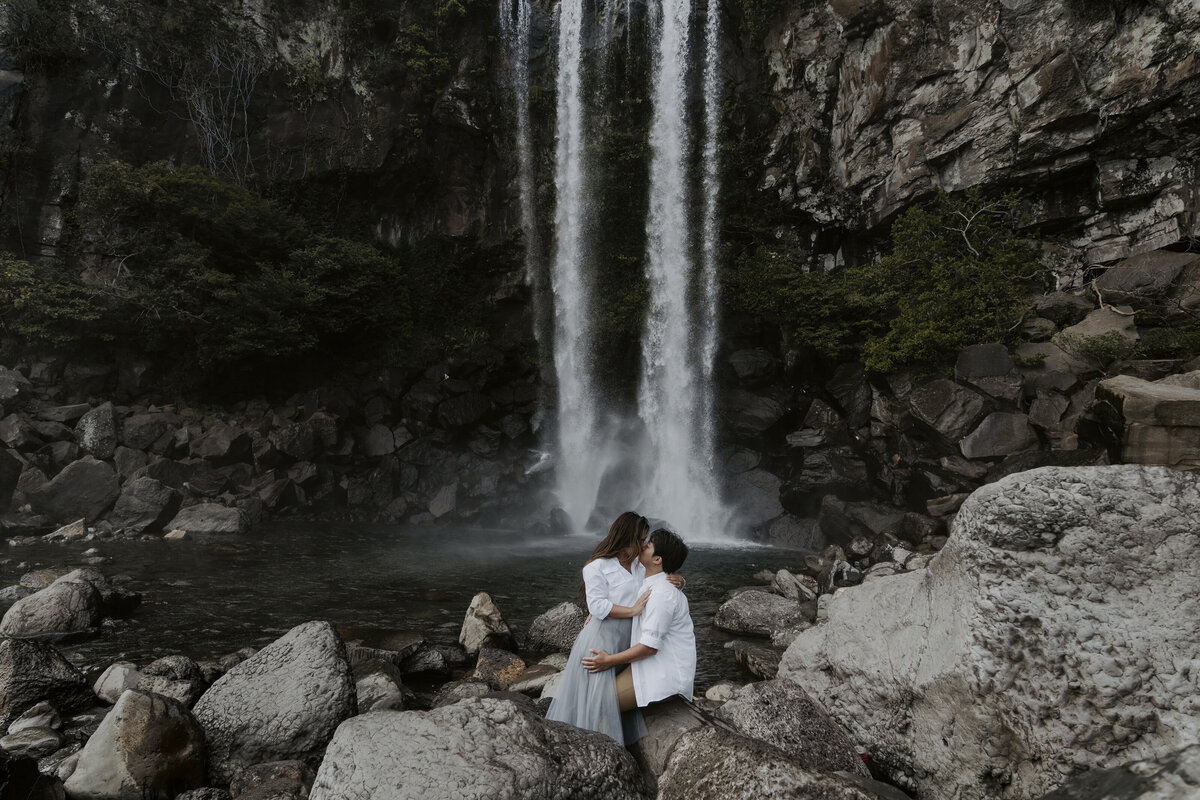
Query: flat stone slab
(1145, 403)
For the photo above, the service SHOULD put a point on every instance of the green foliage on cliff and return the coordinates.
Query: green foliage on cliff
(958, 273)
(38, 36)
(757, 16)
(207, 279)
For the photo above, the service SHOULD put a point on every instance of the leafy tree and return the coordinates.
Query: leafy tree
(958, 273)
(207, 278)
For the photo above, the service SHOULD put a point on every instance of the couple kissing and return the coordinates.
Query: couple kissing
(638, 645)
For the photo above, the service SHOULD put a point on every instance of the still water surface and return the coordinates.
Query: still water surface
(205, 599)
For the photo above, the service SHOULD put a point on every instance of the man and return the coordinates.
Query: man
(662, 658)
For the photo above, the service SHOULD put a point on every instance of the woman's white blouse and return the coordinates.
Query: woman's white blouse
(608, 584)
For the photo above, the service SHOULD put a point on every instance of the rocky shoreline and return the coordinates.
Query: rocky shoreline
(985, 671)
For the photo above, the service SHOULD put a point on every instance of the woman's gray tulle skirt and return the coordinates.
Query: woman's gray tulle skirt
(589, 700)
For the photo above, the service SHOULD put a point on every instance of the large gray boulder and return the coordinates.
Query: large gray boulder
(1143, 277)
(751, 415)
(1001, 434)
(555, 630)
(145, 506)
(15, 388)
(712, 763)
(1173, 776)
(479, 747)
(209, 519)
(1161, 419)
(948, 408)
(759, 613)
(85, 488)
(31, 672)
(1042, 640)
(96, 432)
(142, 431)
(282, 703)
(68, 605)
(782, 714)
(147, 748)
(757, 493)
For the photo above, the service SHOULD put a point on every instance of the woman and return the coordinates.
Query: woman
(612, 577)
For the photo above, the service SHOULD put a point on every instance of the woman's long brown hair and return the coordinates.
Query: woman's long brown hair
(625, 535)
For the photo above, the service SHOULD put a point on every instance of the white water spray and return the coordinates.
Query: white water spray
(707, 306)
(579, 466)
(675, 394)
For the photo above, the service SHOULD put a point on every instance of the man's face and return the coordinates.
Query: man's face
(647, 557)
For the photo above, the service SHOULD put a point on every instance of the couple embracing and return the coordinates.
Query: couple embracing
(638, 646)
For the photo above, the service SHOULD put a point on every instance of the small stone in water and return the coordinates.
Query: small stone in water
(91, 551)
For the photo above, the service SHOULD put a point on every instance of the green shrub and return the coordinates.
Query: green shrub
(958, 274)
(1103, 349)
(208, 279)
(38, 34)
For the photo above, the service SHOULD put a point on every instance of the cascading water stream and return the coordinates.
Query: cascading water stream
(515, 25)
(707, 308)
(676, 383)
(580, 465)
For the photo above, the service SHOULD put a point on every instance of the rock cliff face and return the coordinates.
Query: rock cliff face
(1089, 107)
(368, 104)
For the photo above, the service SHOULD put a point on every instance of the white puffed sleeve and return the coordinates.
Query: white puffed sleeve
(596, 588)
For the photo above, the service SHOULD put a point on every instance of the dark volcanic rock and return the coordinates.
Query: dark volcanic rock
(31, 672)
(145, 506)
(282, 703)
(782, 713)
(84, 489)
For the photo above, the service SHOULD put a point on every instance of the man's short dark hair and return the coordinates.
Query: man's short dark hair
(671, 548)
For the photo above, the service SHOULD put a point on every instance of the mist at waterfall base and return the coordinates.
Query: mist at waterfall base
(207, 598)
(657, 457)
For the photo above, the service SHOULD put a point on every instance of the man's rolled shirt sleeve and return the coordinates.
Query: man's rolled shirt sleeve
(656, 621)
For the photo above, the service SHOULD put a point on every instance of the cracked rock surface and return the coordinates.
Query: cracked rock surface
(282, 703)
(1054, 633)
(478, 748)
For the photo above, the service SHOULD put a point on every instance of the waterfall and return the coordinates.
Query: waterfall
(708, 301)
(580, 466)
(671, 474)
(515, 25)
(676, 384)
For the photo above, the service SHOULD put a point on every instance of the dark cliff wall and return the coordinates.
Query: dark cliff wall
(1089, 107)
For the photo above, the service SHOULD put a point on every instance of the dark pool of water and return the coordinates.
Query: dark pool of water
(205, 599)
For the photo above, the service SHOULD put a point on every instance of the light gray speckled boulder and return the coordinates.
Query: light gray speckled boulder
(282, 703)
(759, 613)
(781, 713)
(555, 630)
(712, 763)
(148, 748)
(1048, 636)
(478, 748)
(68, 605)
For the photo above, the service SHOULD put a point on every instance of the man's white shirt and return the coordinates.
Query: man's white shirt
(665, 625)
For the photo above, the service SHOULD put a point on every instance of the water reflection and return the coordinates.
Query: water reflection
(207, 599)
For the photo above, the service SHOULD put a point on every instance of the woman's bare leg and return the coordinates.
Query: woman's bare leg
(626, 697)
